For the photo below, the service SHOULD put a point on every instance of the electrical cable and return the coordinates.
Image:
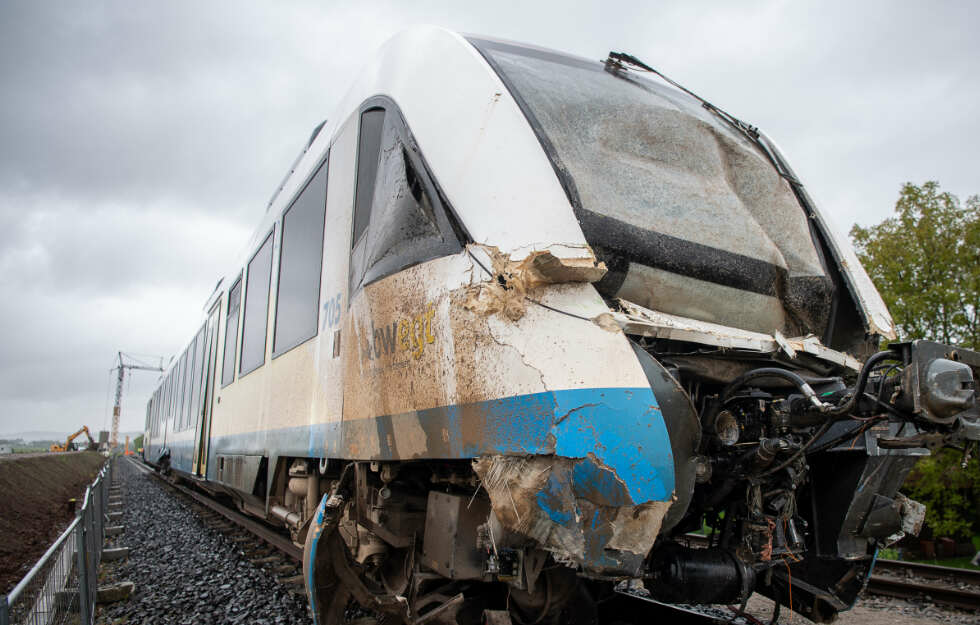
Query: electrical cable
(533, 301)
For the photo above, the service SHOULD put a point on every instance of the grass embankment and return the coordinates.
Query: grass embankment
(34, 510)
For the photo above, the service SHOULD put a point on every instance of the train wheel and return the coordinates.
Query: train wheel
(341, 590)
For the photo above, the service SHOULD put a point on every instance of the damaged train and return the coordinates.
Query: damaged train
(516, 321)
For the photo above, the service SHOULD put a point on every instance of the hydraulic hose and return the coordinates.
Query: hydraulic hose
(775, 372)
(862, 381)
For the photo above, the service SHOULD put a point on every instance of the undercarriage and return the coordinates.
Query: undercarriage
(793, 475)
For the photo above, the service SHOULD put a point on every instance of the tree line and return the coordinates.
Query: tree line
(925, 261)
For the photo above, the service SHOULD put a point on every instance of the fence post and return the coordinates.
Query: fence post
(83, 581)
(4, 611)
(98, 515)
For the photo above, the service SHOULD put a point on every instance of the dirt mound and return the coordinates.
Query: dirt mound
(34, 494)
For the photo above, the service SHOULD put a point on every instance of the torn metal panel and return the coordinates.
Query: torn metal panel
(638, 321)
(505, 291)
(577, 508)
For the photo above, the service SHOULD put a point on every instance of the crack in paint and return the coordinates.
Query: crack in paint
(573, 410)
(540, 373)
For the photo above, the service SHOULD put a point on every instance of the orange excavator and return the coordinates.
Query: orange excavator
(70, 445)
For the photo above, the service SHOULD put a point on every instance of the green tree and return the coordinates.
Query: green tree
(949, 492)
(925, 261)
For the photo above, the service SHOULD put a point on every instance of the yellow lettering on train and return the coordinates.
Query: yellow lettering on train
(409, 335)
(403, 330)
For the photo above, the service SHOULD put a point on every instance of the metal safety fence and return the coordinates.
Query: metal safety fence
(61, 587)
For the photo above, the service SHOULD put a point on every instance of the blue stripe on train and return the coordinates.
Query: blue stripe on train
(621, 427)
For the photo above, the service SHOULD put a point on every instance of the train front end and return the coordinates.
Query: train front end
(647, 329)
(756, 330)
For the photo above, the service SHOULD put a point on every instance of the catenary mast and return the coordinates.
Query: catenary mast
(120, 370)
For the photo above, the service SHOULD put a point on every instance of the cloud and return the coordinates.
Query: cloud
(140, 142)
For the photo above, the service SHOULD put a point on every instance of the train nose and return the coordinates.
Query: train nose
(600, 498)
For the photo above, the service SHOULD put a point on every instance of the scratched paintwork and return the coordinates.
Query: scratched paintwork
(468, 357)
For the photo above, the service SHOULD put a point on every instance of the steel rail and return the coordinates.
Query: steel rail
(261, 531)
(933, 571)
(947, 595)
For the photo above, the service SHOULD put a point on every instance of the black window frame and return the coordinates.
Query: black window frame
(324, 166)
(169, 400)
(447, 222)
(187, 413)
(181, 391)
(362, 191)
(198, 372)
(238, 323)
(270, 238)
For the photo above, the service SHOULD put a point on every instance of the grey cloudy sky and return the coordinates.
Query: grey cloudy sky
(139, 142)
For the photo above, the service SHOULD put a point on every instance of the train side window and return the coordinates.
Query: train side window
(169, 398)
(198, 380)
(174, 393)
(255, 318)
(406, 223)
(190, 383)
(231, 333)
(181, 393)
(368, 153)
(300, 261)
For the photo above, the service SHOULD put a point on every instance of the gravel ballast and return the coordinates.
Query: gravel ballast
(184, 571)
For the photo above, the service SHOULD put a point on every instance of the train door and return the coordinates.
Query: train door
(200, 465)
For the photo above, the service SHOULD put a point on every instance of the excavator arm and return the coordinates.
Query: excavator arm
(83, 430)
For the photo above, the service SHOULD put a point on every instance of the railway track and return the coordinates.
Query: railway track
(936, 593)
(263, 545)
(265, 534)
(959, 588)
(931, 571)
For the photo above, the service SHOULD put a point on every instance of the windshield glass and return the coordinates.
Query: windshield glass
(689, 215)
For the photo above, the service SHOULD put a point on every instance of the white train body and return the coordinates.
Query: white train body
(465, 277)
